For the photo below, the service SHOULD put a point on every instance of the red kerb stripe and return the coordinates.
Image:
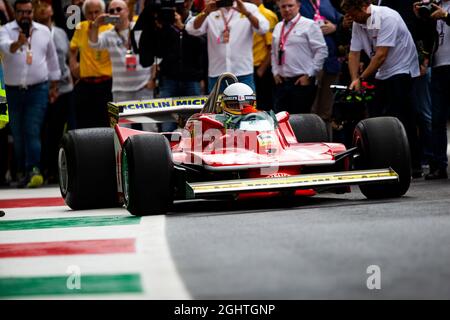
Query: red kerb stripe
(35, 249)
(31, 202)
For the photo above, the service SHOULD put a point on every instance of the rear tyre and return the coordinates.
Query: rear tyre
(309, 128)
(147, 171)
(87, 169)
(383, 143)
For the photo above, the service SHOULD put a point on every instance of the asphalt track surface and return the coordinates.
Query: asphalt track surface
(317, 248)
(308, 248)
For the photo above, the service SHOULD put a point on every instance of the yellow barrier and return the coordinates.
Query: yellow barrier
(4, 117)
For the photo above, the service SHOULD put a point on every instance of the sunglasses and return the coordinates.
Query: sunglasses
(114, 10)
(24, 11)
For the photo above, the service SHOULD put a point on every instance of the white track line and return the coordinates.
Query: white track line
(69, 234)
(46, 192)
(159, 276)
(58, 212)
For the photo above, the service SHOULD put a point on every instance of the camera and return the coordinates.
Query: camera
(165, 10)
(157, 14)
(224, 3)
(25, 25)
(426, 8)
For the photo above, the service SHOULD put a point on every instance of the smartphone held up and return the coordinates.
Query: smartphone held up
(110, 19)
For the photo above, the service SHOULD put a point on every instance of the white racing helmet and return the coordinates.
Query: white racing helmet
(238, 98)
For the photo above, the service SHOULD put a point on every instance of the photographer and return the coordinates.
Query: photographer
(130, 80)
(92, 73)
(440, 83)
(229, 27)
(183, 56)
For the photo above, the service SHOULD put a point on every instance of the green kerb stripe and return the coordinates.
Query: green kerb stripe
(90, 284)
(74, 222)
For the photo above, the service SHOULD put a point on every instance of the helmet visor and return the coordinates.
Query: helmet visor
(235, 104)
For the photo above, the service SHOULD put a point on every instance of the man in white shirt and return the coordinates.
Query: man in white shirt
(29, 62)
(298, 53)
(385, 38)
(229, 33)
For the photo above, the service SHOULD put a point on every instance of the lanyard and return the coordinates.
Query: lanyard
(29, 39)
(126, 43)
(317, 16)
(283, 36)
(29, 42)
(225, 21)
(316, 6)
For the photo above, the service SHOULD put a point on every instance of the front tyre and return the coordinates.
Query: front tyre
(382, 143)
(147, 171)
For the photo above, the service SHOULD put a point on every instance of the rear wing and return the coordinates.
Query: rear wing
(154, 110)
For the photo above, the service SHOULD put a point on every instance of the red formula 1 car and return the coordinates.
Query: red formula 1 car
(263, 154)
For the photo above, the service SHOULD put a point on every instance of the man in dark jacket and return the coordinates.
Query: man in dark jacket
(440, 86)
(328, 18)
(183, 58)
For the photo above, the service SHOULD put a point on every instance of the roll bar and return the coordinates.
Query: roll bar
(211, 104)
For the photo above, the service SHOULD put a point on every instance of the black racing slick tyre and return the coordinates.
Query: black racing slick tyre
(309, 128)
(147, 171)
(87, 169)
(382, 143)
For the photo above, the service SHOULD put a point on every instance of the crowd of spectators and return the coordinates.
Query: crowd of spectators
(59, 78)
